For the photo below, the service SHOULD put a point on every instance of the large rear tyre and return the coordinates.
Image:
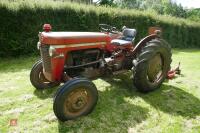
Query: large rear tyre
(75, 98)
(152, 65)
(38, 79)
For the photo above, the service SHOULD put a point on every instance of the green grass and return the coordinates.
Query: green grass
(175, 107)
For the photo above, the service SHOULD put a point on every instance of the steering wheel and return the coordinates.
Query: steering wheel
(108, 28)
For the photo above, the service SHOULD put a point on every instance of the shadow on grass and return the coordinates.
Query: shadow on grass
(110, 119)
(46, 93)
(175, 101)
(168, 98)
(114, 110)
(113, 113)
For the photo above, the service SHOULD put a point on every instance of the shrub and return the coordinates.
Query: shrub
(21, 21)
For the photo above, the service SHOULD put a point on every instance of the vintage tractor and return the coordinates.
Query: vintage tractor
(67, 56)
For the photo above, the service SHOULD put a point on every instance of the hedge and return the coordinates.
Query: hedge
(21, 21)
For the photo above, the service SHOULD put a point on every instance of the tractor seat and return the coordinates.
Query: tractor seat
(128, 37)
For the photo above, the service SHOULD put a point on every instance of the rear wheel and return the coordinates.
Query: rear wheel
(152, 65)
(38, 79)
(75, 98)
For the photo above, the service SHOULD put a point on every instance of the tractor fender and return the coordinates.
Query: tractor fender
(143, 42)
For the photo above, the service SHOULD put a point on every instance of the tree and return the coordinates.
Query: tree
(194, 14)
(160, 6)
(174, 10)
(106, 2)
(129, 3)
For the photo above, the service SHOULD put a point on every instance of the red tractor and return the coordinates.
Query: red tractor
(67, 56)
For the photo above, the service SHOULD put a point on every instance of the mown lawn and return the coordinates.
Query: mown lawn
(175, 107)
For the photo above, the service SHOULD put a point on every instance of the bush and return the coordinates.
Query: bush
(21, 21)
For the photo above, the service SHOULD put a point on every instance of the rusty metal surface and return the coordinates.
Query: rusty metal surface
(143, 42)
(152, 30)
(77, 102)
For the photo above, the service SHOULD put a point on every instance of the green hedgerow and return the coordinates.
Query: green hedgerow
(21, 20)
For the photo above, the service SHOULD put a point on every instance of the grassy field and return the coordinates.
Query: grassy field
(175, 107)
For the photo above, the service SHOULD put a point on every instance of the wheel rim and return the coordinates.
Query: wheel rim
(155, 68)
(77, 102)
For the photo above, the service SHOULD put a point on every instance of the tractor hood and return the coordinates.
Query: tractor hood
(57, 38)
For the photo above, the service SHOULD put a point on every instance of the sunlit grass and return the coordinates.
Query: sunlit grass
(175, 107)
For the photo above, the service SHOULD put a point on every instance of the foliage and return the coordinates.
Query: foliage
(174, 108)
(106, 2)
(130, 4)
(159, 6)
(174, 10)
(194, 14)
(22, 20)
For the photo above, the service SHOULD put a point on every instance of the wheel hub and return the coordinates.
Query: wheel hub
(76, 101)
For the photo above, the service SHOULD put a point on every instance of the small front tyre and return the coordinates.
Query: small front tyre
(75, 98)
(38, 79)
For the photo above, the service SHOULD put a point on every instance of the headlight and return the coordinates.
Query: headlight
(52, 50)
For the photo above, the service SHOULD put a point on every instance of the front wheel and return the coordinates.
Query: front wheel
(152, 65)
(38, 79)
(75, 98)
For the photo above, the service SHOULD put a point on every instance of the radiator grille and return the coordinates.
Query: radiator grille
(46, 59)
